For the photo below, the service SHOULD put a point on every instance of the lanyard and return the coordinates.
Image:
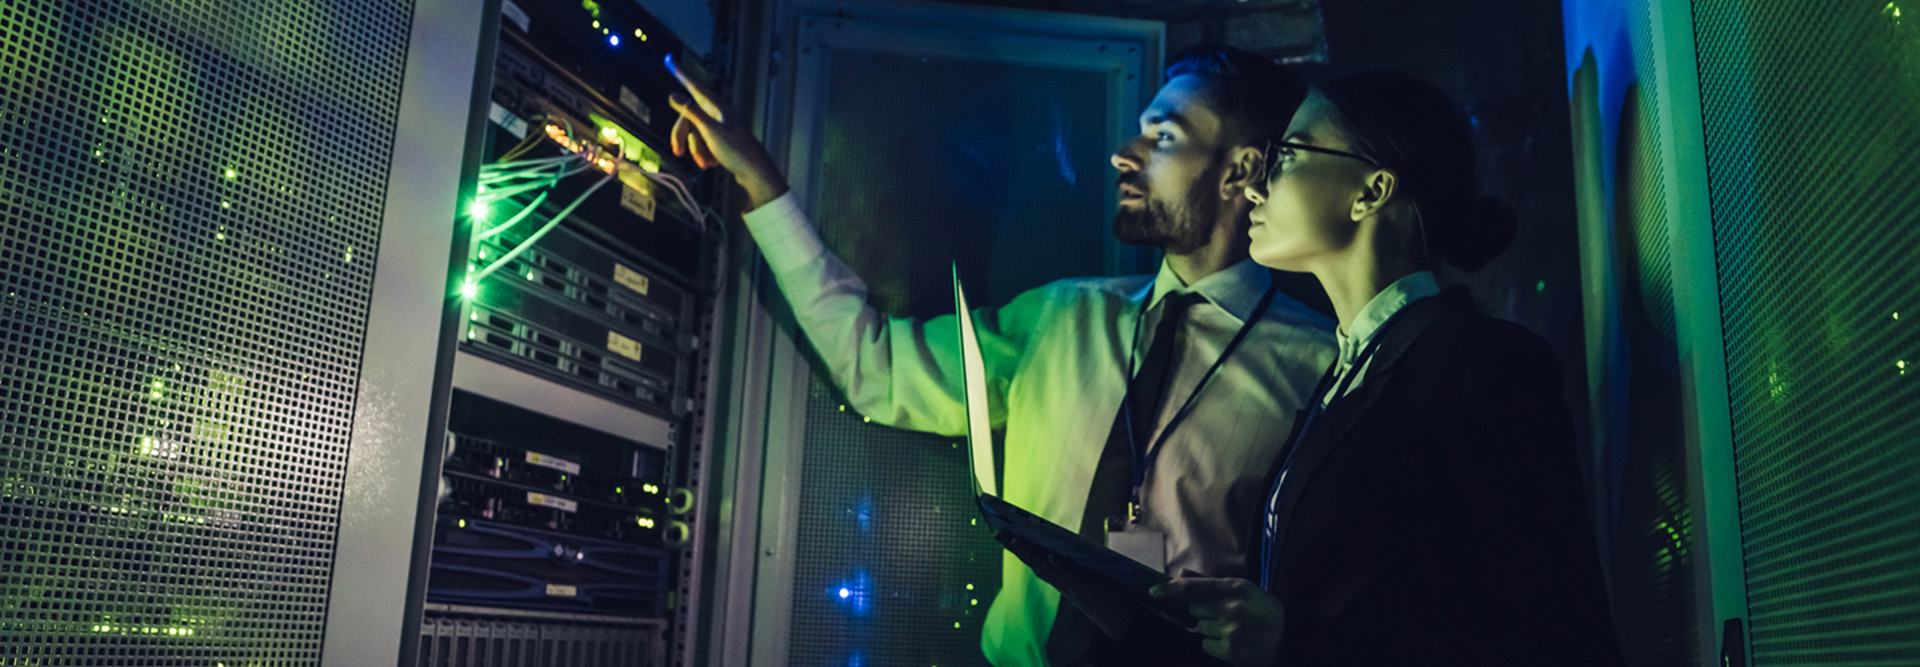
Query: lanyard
(1269, 527)
(1142, 460)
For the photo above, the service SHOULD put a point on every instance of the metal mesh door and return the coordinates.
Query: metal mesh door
(191, 195)
(1815, 182)
(1642, 481)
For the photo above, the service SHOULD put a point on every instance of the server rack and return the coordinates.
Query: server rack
(566, 500)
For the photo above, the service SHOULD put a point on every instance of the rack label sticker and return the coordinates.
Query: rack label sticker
(640, 203)
(507, 121)
(545, 500)
(632, 279)
(562, 590)
(553, 462)
(632, 103)
(623, 346)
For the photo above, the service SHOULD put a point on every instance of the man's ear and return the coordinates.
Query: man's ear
(1243, 168)
(1376, 192)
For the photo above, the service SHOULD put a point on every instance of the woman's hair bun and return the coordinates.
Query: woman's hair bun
(1487, 230)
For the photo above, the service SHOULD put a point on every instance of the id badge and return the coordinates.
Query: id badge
(1146, 547)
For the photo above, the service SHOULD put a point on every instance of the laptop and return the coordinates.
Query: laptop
(1024, 533)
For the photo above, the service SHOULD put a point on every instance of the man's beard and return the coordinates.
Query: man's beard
(1177, 230)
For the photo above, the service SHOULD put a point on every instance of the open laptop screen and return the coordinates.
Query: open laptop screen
(974, 373)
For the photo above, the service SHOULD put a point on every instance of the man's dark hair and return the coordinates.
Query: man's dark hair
(1254, 96)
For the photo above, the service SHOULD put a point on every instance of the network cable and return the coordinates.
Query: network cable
(530, 240)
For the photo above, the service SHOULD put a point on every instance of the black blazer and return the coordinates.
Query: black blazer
(1437, 514)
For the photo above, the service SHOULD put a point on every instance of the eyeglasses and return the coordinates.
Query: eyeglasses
(1283, 150)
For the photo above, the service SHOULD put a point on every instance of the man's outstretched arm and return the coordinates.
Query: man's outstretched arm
(897, 371)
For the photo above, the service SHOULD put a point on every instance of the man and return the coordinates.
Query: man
(1182, 469)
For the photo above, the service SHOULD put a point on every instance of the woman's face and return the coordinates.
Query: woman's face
(1307, 211)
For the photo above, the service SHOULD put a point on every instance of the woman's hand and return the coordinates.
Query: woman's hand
(704, 133)
(1242, 624)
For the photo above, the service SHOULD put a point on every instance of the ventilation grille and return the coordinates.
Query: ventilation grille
(192, 195)
(1814, 181)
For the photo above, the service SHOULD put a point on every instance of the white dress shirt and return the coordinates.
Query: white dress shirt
(1366, 324)
(1055, 360)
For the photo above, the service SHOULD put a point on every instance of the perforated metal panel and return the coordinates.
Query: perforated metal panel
(1814, 176)
(1651, 527)
(1643, 485)
(929, 160)
(191, 195)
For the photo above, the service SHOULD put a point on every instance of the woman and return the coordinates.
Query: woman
(1430, 509)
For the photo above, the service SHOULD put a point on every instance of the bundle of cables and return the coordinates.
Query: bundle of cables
(502, 180)
(510, 178)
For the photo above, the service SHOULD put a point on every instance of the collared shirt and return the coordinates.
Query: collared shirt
(1366, 324)
(1056, 362)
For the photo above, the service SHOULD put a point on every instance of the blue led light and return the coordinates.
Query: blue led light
(613, 40)
(853, 594)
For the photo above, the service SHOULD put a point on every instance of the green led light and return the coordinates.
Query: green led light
(220, 236)
(975, 601)
(610, 133)
(469, 290)
(596, 24)
(969, 586)
(463, 523)
(231, 174)
(619, 489)
(1540, 286)
(479, 210)
(226, 204)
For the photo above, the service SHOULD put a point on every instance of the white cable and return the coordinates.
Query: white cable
(493, 195)
(680, 192)
(537, 172)
(528, 243)
(510, 191)
(517, 164)
(517, 217)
